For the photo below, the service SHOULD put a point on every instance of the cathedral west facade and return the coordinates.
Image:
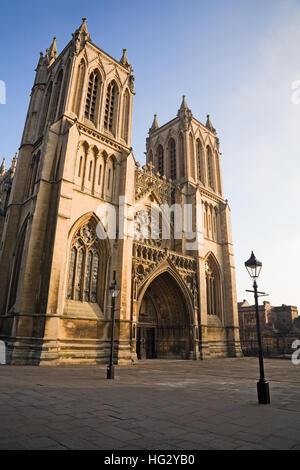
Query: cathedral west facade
(58, 253)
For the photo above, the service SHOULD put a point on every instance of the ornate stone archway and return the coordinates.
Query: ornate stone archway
(165, 303)
(164, 328)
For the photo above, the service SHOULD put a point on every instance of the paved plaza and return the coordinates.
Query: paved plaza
(172, 405)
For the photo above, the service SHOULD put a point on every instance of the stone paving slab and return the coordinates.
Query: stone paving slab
(185, 405)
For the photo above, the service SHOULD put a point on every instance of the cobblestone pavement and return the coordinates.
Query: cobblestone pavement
(151, 405)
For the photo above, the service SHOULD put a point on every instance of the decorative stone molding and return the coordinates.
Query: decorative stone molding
(96, 135)
(148, 259)
(146, 181)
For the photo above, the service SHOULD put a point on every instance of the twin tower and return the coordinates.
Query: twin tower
(177, 294)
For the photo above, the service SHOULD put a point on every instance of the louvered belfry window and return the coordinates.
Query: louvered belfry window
(173, 169)
(160, 158)
(91, 99)
(199, 159)
(110, 106)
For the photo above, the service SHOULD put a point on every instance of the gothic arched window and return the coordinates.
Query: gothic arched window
(219, 186)
(160, 160)
(79, 87)
(173, 166)
(110, 104)
(210, 169)
(56, 95)
(92, 96)
(181, 155)
(213, 287)
(192, 162)
(125, 119)
(64, 89)
(200, 161)
(84, 265)
(18, 256)
(45, 109)
(32, 174)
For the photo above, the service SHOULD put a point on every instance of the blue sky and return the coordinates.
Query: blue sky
(234, 59)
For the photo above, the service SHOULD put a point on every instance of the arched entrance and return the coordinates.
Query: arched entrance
(164, 322)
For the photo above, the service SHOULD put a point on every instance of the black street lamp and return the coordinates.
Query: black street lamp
(254, 267)
(114, 292)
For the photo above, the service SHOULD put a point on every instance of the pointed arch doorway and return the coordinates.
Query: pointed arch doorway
(164, 329)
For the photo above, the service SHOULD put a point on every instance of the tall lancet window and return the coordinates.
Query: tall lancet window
(160, 160)
(92, 96)
(200, 161)
(192, 159)
(56, 95)
(84, 266)
(45, 109)
(173, 166)
(125, 118)
(110, 104)
(213, 288)
(210, 169)
(17, 260)
(79, 87)
(181, 156)
(219, 185)
(64, 89)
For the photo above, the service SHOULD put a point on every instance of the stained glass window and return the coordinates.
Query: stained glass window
(84, 266)
(213, 295)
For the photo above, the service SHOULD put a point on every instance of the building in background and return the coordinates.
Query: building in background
(280, 327)
(178, 293)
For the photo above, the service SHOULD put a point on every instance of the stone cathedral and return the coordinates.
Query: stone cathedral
(177, 295)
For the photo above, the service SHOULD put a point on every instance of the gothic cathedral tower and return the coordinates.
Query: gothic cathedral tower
(177, 294)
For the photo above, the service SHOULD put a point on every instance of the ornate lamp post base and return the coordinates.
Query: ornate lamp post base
(110, 372)
(263, 392)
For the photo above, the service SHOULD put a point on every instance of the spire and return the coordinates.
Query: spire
(41, 60)
(83, 28)
(14, 164)
(209, 125)
(81, 35)
(185, 114)
(2, 167)
(51, 53)
(124, 60)
(184, 103)
(155, 124)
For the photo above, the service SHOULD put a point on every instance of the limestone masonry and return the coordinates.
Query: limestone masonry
(178, 293)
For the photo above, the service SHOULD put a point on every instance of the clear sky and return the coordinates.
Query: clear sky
(234, 59)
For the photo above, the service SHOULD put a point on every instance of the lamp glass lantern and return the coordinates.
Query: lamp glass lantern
(114, 289)
(253, 266)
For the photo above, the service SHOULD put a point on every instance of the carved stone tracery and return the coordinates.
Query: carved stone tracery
(146, 260)
(146, 181)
